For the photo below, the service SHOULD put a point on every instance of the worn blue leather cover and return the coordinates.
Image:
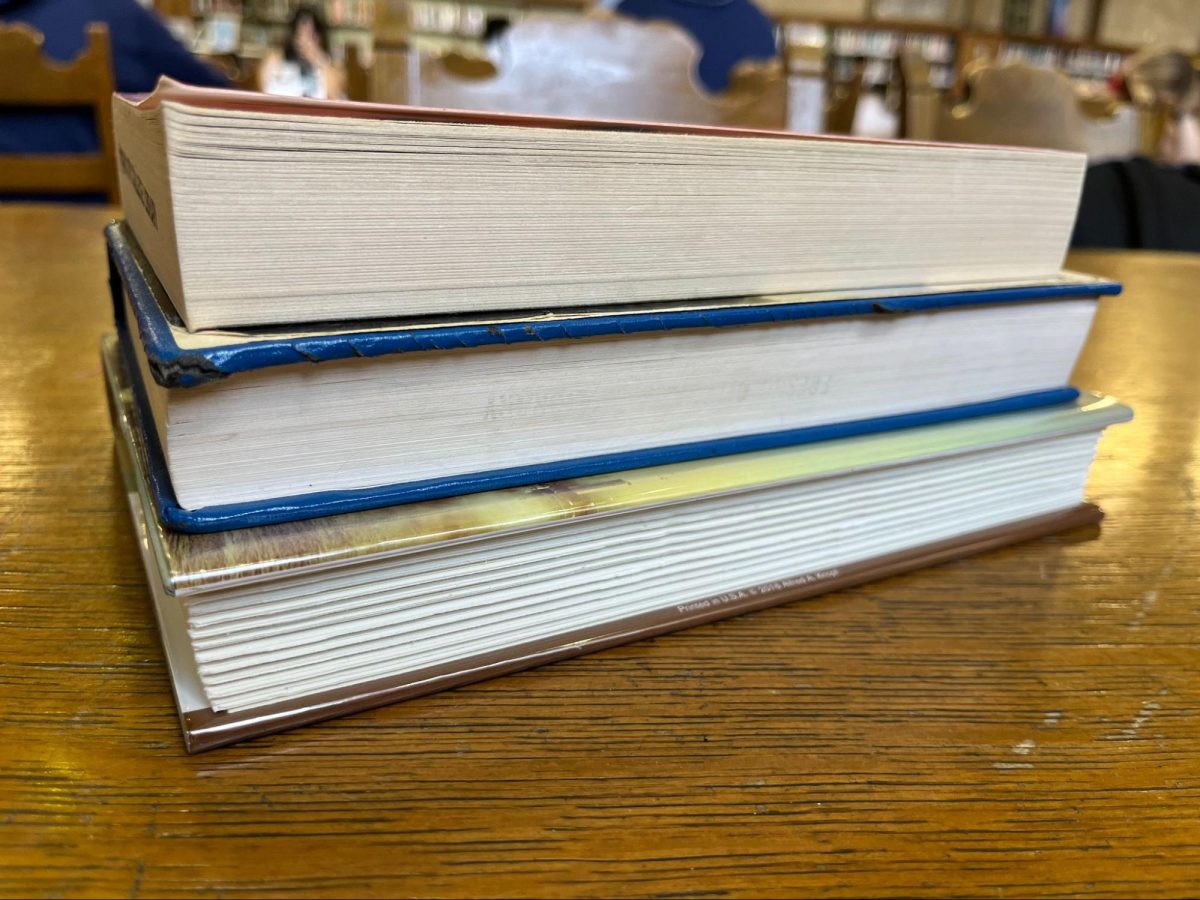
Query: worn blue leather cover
(179, 367)
(174, 365)
(332, 503)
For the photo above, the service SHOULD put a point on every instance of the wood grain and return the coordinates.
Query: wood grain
(1018, 724)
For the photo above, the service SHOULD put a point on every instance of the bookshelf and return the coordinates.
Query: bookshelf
(841, 45)
(877, 47)
(438, 25)
(1084, 62)
(254, 27)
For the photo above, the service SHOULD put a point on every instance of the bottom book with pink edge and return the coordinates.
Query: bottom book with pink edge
(269, 628)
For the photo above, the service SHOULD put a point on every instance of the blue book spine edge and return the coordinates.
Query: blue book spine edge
(175, 367)
(331, 503)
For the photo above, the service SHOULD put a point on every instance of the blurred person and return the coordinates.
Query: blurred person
(1141, 203)
(304, 67)
(142, 51)
(726, 31)
(1165, 80)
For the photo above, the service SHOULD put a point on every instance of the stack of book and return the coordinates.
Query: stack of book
(405, 398)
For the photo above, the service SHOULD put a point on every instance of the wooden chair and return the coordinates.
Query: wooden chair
(1012, 104)
(841, 103)
(28, 78)
(386, 79)
(920, 102)
(358, 75)
(604, 67)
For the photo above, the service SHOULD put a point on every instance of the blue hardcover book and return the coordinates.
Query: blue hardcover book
(269, 425)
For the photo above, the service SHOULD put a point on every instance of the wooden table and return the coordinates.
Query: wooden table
(1015, 724)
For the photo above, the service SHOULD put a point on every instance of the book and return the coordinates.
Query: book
(248, 429)
(259, 210)
(276, 626)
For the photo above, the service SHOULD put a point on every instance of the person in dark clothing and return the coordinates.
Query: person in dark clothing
(727, 32)
(142, 50)
(1139, 204)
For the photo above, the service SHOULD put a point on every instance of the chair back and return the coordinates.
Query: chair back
(920, 102)
(1017, 105)
(841, 102)
(358, 75)
(28, 78)
(599, 68)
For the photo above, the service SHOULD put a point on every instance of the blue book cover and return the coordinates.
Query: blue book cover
(178, 359)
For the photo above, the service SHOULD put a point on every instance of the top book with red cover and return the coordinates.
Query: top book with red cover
(258, 210)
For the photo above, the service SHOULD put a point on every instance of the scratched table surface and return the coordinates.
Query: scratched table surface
(1019, 723)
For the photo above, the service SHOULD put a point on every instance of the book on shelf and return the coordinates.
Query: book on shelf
(259, 210)
(252, 430)
(271, 627)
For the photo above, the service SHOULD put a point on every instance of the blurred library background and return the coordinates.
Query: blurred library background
(1114, 79)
